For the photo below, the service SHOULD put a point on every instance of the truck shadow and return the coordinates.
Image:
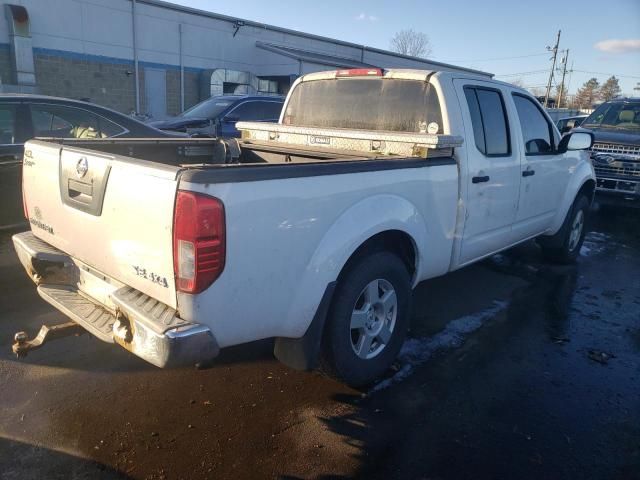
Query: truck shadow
(382, 420)
(21, 461)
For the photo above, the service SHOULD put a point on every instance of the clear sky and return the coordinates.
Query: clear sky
(476, 34)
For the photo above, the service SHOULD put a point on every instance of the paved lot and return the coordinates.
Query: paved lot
(516, 369)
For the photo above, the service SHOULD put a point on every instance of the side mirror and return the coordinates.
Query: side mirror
(231, 118)
(575, 141)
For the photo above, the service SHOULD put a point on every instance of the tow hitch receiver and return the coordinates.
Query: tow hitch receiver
(23, 345)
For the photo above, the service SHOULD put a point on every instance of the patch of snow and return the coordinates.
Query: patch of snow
(417, 351)
(594, 243)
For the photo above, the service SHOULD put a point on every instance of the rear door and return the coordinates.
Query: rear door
(112, 213)
(493, 174)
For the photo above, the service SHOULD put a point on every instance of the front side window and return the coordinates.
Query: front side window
(210, 108)
(248, 111)
(271, 111)
(7, 125)
(489, 121)
(536, 130)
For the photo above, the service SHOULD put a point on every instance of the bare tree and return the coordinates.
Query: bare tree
(518, 82)
(410, 42)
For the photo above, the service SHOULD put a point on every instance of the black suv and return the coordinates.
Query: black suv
(26, 116)
(616, 150)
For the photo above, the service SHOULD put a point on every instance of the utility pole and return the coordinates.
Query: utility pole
(564, 72)
(553, 67)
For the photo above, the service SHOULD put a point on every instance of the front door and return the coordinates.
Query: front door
(493, 176)
(545, 173)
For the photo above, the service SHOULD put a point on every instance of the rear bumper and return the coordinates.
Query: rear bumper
(147, 328)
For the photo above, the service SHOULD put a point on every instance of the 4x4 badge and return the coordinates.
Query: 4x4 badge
(82, 167)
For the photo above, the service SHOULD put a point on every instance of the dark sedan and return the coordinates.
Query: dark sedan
(217, 116)
(26, 116)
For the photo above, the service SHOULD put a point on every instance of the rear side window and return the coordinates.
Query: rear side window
(366, 104)
(7, 125)
(489, 121)
(536, 130)
(69, 122)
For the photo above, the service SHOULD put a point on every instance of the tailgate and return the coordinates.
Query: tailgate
(113, 213)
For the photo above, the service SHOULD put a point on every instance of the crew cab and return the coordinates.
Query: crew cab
(616, 151)
(313, 230)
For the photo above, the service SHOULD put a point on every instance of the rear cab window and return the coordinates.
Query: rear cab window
(374, 104)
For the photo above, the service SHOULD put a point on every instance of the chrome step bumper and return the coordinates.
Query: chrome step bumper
(137, 322)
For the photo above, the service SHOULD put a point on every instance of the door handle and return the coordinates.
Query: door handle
(528, 173)
(480, 179)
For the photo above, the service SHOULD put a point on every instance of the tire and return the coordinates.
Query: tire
(564, 246)
(368, 319)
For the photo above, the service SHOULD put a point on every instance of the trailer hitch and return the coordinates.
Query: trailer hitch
(23, 345)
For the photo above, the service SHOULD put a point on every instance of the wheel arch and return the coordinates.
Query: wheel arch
(582, 182)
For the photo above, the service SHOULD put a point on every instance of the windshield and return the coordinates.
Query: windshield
(210, 108)
(366, 104)
(615, 115)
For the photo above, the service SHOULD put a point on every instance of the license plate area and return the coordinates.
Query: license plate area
(97, 286)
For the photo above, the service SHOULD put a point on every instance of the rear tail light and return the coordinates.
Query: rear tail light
(360, 72)
(198, 241)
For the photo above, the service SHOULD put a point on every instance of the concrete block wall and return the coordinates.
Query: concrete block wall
(191, 90)
(104, 83)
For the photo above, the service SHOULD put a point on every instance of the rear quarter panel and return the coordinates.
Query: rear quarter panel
(288, 238)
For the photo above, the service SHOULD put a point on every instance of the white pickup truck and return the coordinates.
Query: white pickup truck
(312, 231)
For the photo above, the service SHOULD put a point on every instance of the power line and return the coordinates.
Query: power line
(471, 60)
(517, 74)
(610, 74)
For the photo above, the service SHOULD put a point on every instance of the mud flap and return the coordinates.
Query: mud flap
(302, 353)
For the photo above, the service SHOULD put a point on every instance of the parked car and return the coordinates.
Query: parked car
(616, 151)
(26, 116)
(314, 231)
(567, 123)
(217, 116)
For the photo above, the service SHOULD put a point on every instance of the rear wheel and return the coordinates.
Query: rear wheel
(368, 319)
(564, 246)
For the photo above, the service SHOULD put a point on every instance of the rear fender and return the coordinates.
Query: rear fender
(351, 229)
